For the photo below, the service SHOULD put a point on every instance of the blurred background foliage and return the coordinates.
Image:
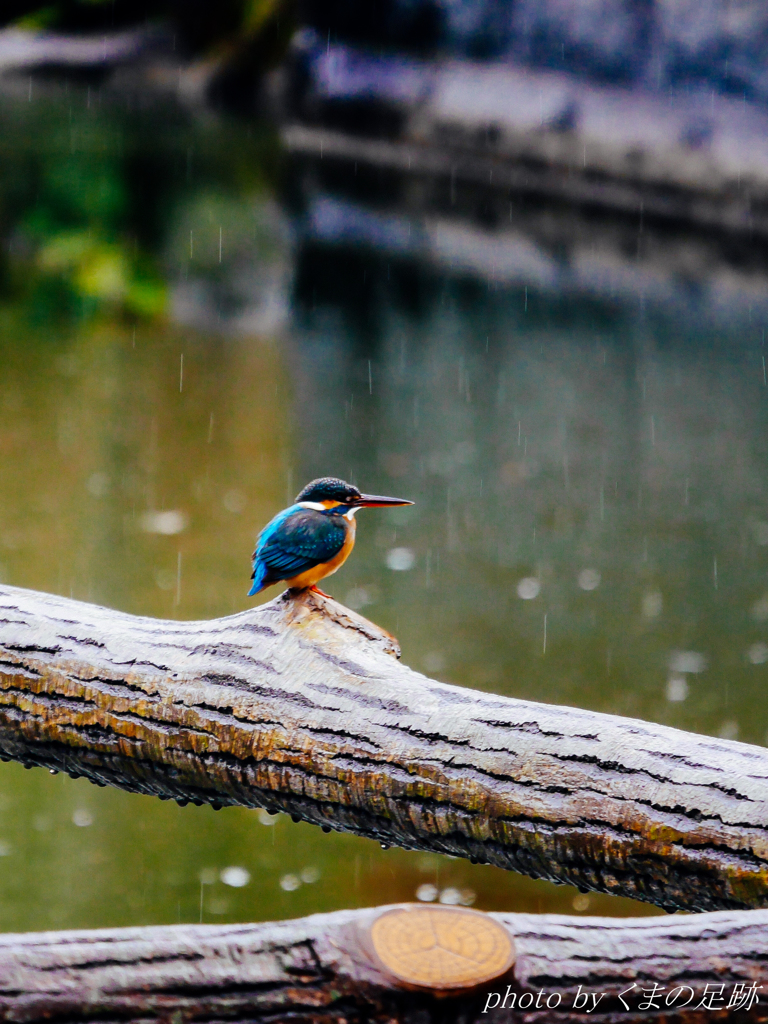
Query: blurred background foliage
(86, 205)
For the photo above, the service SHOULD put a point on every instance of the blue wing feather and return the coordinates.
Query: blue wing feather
(293, 542)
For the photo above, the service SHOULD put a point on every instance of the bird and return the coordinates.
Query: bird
(312, 538)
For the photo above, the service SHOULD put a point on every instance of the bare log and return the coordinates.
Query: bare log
(317, 969)
(300, 706)
(537, 132)
(22, 50)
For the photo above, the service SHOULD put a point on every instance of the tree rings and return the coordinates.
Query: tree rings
(441, 947)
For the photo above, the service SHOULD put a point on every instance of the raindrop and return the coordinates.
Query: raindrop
(289, 883)
(82, 818)
(528, 588)
(310, 874)
(265, 818)
(359, 597)
(207, 876)
(589, 579)
(434, 661)
(687, 662)
(400, 559)
(581, 902)
(758, 654)
(427, 893)
(235, 877)
(165, 579)
(451, 897)
(652, 604)
(5, 849)
(234, 501)
(729, 730)
(677, 688)
(168, 523)
(98, 484)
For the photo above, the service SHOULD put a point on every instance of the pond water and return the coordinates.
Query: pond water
(194, 325)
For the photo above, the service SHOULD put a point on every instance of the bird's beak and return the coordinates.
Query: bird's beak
(378, 501)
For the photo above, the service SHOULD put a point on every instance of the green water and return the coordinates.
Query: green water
(591, 517)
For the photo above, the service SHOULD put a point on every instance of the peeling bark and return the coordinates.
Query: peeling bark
(316, 969)
(300, 706)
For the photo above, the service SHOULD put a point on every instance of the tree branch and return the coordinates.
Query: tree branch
(299, 706)
(317, 970)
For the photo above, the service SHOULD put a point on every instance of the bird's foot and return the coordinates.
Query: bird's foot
(322, 593)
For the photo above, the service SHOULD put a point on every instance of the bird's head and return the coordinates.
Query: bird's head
(337, 496)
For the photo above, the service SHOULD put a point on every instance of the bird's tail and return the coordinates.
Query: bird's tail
(259, 578)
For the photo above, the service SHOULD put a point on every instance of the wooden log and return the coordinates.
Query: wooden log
(300, 706)
(533, 131)
(318, 969)
(22, 50)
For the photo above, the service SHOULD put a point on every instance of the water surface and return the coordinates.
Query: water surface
(183, 347)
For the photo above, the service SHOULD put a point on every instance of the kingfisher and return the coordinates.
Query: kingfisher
(313, 537)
